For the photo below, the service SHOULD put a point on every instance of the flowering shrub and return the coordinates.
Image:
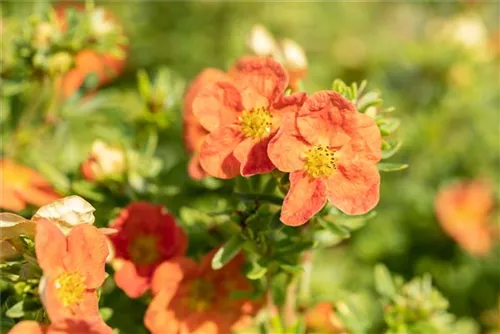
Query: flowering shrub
(140, 201)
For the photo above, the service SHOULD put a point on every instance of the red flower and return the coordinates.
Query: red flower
(242, 116)
(192, 298)
(463, 209)
(93, 325)
(194, 132)
(73, 268)
(147, 235)
(330, 151)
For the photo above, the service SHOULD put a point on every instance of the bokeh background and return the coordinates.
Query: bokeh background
(436, 62)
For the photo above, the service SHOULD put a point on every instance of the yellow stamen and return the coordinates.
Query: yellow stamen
(201, 295)
(144, 249)
(320, 161)
(256, 123)
(70, 287)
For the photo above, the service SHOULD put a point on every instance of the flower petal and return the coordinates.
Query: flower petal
(252, 154)
(9, 200)
(87, 325)
(195, 170)
(50, 247)
(261, 80)
(321, 120)
(217, 104)
(170, 273)
(366, 140)
(158, 317)
(286, 147)
(87, 252)
(27, 327)
(216, 156)
(304, 199)
(128, 279)
(12, 226)
(354, 187)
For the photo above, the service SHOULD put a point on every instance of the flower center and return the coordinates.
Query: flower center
(70, 287)
(144, 249)
(256, 123)
(320, 161)
(201, 295)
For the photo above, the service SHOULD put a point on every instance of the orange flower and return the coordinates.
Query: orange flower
(321, 318)
(463, 210)
(242, 116)
(194, 133)
(147, 235)
(73, 269)
(192, 298)
(330, 151)
(90, 325)
(21, 186)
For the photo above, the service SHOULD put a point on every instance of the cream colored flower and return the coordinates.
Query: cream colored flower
(262, 43)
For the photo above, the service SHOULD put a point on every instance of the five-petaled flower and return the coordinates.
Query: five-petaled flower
(242, 116)
(463, 209)
(84, 325)
(147, 235)
(73, 268)
(192, 298)
(330, 151)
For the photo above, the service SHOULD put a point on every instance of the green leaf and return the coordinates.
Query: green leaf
(143, 84)
(106, 313)
(291, 269)
(368, 100)
(227, 252)
(257, 271)
(16, 311)
(341, 232)
(383, 281)
(391, 167)
(388, 125)
(390, 148)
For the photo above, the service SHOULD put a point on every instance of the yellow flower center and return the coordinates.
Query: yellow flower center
(144, 249)
(256, 123)
(201, 295)
(70, 287)
(320, 161)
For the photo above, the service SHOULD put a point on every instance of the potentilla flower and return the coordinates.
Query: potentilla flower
(87, 325)
(21, 186)
(322, 319)
(463, 209)
(330, 151)
(192, 298)
(104, 162)
(147, 235)
(194, 132)
(73, 269)
(242, 117)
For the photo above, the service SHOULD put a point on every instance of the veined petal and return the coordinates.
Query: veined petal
(366, 140)
(305, 198)
(252, 154)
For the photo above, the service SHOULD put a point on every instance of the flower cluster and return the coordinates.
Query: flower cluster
(245, 124)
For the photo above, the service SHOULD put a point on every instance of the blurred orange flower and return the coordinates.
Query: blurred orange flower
(73, 269)
(242, 116)
(322, 319)
(194, 132)
(330, 151)
(192, 298)
(104, 162)
(20, 186)
(147, 235)
(463, 209)
(89, 325)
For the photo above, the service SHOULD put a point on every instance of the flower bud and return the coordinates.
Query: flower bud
(261, 42)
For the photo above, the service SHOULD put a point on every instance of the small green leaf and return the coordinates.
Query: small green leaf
(257, 271)
(227, 252)
(388, 125)
(391, 167)
(391, 148)
(335, 229)
(367, 100)
(16, 311)
(143, 84)
(106, 313)
(291, 269)
(383, 281)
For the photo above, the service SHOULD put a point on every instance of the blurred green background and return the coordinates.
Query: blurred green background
(436, 62)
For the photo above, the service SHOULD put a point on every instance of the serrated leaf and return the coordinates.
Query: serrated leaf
(335, 229)
(384, 283)
(391, 167)
(227, 252)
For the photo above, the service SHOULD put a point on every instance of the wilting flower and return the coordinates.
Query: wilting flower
(87, 325)
(330, 151)
(73, 268)
(242, 117)
(322, 319)
(147, 235)
(21, 186)
(194, 132)
(11, 227)
(104, 162)
(192, 298)
(463, 209)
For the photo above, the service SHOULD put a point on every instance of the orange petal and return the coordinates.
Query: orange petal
(217, 104)
(321, 120)
(9, 199)
(366, 140)
(195, 170)
(354, 187)
(50, 246)
(158, 318)
(128, 279)
(27, 327)
(287, 146)
(260, 79)
(216, 156)
(304, 199)
(38, 196)
(170, 273)
(87, 252)
(87, 325)
(253, 157)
